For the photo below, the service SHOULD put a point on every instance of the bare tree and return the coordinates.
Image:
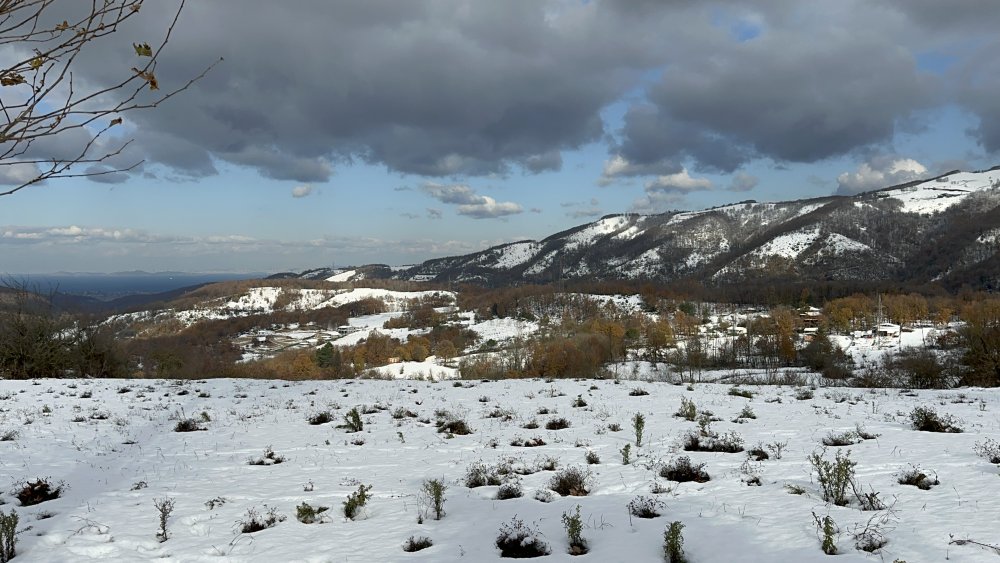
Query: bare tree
(40, 99)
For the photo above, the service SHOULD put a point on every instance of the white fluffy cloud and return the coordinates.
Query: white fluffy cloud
(302, 190)
(880, 172)
(470, 203)
(681, 182)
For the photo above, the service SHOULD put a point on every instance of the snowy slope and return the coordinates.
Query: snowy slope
(116, 452)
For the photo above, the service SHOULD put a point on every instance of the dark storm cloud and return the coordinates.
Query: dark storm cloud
(458, 88)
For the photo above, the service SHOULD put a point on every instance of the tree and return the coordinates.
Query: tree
(40, 99)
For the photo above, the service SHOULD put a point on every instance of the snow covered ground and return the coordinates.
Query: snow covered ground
(113, 445)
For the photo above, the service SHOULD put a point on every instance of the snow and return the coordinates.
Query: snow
(115, 468)
(597, 229)
(516, 254)
(934, 196)
(789, 245)
(503, 329)
(344, 276)
(429, 370)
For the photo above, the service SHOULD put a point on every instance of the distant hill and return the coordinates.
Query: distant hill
(943, 230)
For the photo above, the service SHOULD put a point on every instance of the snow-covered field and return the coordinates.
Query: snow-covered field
(113, 445)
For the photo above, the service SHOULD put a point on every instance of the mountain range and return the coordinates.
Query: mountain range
(943, 230)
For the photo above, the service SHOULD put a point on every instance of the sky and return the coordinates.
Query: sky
(341, 132)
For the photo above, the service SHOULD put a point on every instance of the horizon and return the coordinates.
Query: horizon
(439, 128)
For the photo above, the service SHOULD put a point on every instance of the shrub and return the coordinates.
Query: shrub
(687, 411)
(352, 421)
(307, 514)
(8, 536)
(571, 482)
(638, 425)
(615, 427)
(638, 392)
(578, 402)
(777, 448)
(828, 529)
(9, 435)
(834, 476)
(574, 531)
(401, 413)
(356, 501)
(917, 478)
(269, 458)
(988, 450)
(926, 419)
(187, 425)
(746, 413)
(626, 452)
(737, 392)
(38, 492)
(509, 490)
(592, 458)
(757, 453)
(321, 418)
(681, 470)
(520, 541)
(480, 475)
(673, 543)
(645, 507)
(557, 424)
(519, 442)
(455, 426)
(434, 490)
(848, 438)
(255, 521)
(729, 442)
(804, 394)
(164, 507)
(416, 544)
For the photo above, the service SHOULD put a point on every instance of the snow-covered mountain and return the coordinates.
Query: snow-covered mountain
(945, 229)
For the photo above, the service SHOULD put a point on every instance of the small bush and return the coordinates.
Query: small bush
(848, 438)
(988, 450)
(480, 475)
(164, 506)
(828, 529)
(571, 482)
(681, 470)
(356, 501)
(519, 442)
(455, 426)
(834, 476)
(256, 522)
(416, 544)
(777, 449)
(517, 540)
(307, 514)
(8, 536)
(745, 414)
(926, 419)
(758, 453)
(321, 418)
(688, 410)
(557, 424)
(638, 426)
(673, 543)
(352, 421)
(626, 452)
(9, 435)
(615, 427)
(509, 490)
(804, 394)
(269, 458)
(578, 402)
(434, 490)
(737, 392)
(187, 425)
(592, 458)
(401, 413)
(38, 492)
(574, 531)
(638, 392)
(729, 442)
(645, 507)
(917, 478)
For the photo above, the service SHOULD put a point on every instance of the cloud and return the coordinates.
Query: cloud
(15, 174)
(681, 182)
(617, 167)
(408, 215)
(458, 88)
(743, 182)
(585, 212)
(880, 172)
(302, 190)
(433, 213)
(469, 203)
